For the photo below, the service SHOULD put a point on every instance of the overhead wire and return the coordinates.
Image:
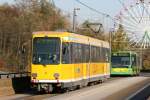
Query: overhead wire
(101, 13)
(108, 16)
(95, 10)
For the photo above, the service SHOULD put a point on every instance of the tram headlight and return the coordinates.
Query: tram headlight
(56, 75)
(34, 75)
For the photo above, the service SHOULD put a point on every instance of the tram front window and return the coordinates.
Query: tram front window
(46, 50)
(120, 61)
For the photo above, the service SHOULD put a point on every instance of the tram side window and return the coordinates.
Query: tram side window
(77, 52)
(97, 54)
(83, 53)
(87, 53)
(100, 58)
(102, 54)
(107, 55)
(80, 55)
(92, 53)
(74, 50)
(65, 53)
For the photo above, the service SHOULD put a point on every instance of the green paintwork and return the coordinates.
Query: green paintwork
(130, 69)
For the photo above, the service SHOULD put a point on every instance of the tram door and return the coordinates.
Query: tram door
(88, 71)
(107, 65)
(78, 59)
(88, 54)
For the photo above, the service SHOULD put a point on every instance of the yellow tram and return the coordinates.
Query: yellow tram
(63, 59)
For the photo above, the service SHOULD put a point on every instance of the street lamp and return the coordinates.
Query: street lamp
(74, 19)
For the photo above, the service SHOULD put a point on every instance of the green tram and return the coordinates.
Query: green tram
(125, 63)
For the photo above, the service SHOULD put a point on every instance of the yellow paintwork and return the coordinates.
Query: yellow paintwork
(70, 71)
(47, 72)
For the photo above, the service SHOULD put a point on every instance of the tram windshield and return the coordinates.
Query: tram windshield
(120, 61)
(46, 50)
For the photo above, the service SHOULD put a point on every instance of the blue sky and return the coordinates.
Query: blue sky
(111, 7)
(4, 1)
(108, 6)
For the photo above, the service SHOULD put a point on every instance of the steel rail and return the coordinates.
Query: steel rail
(140, 94)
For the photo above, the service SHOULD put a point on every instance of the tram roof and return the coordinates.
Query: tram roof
(82, 38)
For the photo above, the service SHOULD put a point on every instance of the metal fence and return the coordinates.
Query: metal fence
(14, 75)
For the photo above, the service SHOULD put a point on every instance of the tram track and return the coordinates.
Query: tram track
(35, 95)
(32, 94)
(115, 90)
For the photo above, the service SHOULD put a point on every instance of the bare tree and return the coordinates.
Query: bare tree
(17, 22)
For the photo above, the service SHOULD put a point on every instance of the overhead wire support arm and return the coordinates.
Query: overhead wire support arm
(104, 14)
(99, 29)
(101, 13)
